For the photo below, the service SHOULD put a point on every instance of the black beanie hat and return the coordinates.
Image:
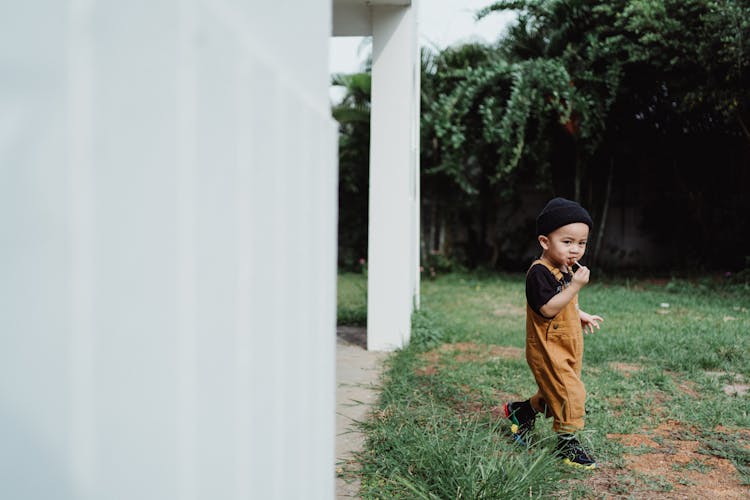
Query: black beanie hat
(560, 212)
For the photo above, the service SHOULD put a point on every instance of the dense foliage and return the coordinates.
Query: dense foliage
(353, 115)
(637, 105)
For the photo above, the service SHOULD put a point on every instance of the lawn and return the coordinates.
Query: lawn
(667, 410)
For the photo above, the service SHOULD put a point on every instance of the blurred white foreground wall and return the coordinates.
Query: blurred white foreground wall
(168, 221)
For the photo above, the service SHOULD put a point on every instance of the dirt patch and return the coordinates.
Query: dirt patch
(427, 371)
(431, 366)
(626, 369)
(687, 387)
(730, 431)
(472, 405)
(659, 400)
(460, 347)
(634, 440)
(735, 389)
(604, 482)
(509, 310)
(735, 377)
(684, 386)
(466, 352)
(432, 356)
(496, 412)
(469, 351)
(616, 404)
(506, 352)
(666, 463)
(738, 386)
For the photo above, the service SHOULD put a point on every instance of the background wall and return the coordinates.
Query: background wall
(168, 214)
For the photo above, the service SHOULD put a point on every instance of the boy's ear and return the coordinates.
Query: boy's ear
(544, 241)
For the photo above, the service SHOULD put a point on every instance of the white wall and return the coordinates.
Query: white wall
(393, 236)
(352, 18)
(168, 214)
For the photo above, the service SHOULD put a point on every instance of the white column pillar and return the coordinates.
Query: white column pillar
(168, 265)
(394, 181)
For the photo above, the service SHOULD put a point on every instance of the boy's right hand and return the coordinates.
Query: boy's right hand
(581, 276)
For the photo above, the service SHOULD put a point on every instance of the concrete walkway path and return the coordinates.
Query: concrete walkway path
(357, 377)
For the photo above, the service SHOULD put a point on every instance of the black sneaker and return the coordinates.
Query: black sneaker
(520, 427)
(573, 454)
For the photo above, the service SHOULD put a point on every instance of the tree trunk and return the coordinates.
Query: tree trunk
(603, 221)
(433, 227)
(577, 178)
(441, 236)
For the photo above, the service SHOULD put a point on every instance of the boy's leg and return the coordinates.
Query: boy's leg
(540, 405)
(522, 416)
(556, 369)
(573, 453)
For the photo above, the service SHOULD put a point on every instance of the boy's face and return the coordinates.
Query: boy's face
(565, 244)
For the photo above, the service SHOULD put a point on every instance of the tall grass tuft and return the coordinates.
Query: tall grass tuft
(425, 452)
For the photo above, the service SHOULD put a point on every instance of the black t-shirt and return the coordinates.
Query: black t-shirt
(541, 286)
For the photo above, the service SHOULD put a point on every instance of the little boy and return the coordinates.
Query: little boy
(554, 326)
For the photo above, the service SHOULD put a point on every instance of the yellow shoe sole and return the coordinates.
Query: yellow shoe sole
(571, 463)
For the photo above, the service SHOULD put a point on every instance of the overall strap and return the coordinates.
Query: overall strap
(555, 271)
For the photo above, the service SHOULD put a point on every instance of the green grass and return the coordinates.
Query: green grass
(436, 433)
(352, 299)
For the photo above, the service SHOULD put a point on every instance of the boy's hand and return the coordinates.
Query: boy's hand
(589, 321)
(581, 276)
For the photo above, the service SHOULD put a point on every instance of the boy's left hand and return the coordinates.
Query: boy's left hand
(589, 321)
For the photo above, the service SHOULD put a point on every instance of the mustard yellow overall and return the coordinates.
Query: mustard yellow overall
(554, 351)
